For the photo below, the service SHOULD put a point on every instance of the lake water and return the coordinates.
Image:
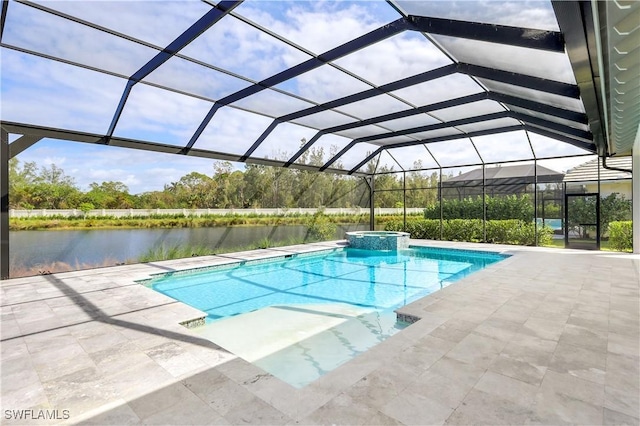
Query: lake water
(29, 249)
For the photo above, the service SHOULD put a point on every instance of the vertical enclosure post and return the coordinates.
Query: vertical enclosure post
(484, 204)
(404, 201)
(635, 197)
(535, 201)
(372, 209)
(4, 205)
(440, 197)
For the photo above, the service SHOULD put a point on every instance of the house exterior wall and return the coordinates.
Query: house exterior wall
(622, 187)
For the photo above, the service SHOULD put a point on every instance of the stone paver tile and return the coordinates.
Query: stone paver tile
(482, 408)
(116, 412)
(574, 387)
(115, 359)
(498, 329)
(343, 409)
(616, 418)
(553, 408)
(444, 390)
(454, 330)
(256, 411)
(458, 371)
(381, 419)
(550, 311)
(9, 329)
(623, 344)
(240, 370)
(584, 337)
(137, 379)
(426, 352)
(79, 392)
(175, 359)
(61, 361)
(13, 348)
(232, 400)
(412, 409)
(546, 329)
(99, 342)
(18, 373)
(589, 320)
(23, 397)
(476, 349)
(512, 313)
(174, 404)
(516, 391)
(579, 362)
(518, 369)
(216, 389)
(622, 400)
(376, 389)
(49, 339)
(623, 372)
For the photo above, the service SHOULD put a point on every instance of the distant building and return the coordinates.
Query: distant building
(503, 180)
(584, 178)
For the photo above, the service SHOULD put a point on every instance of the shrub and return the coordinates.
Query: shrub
(423, 229)
(498, 208)
(621, 235)
(510, 231)
(320, 228)
(462, 230)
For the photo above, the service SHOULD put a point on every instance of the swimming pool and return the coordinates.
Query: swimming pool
(300, 316)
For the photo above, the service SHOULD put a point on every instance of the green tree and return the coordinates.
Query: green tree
(109, 195)
(614, 207)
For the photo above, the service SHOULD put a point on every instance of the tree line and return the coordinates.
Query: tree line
(33, 186)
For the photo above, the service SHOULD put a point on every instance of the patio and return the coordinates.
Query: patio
(546, 336)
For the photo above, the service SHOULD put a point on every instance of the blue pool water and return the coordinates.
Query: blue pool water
(305, 315)
(380, 280)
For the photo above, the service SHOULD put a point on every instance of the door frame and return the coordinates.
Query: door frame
(566, 216)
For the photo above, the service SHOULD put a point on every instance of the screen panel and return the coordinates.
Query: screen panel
(538, 63)
(503, 147)
(240, 48)
(316, 27)
(403, 55)
(232, 130)
(173, 119)
(68, 40)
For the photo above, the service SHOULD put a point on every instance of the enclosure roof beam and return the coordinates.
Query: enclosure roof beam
(492, 33)
(370, 93)
(522, 80)
(587, 146)
(572, 131)
(304, 148)
(578, 117)
(437, 126)
(436, 139)
(22, 143)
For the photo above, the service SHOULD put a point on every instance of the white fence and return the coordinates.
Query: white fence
(201, 212)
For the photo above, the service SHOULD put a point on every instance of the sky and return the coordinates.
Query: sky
(55, 94)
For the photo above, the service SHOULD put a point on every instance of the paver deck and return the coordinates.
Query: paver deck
(547, 336)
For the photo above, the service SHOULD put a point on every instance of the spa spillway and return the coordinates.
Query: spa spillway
(378, 240)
